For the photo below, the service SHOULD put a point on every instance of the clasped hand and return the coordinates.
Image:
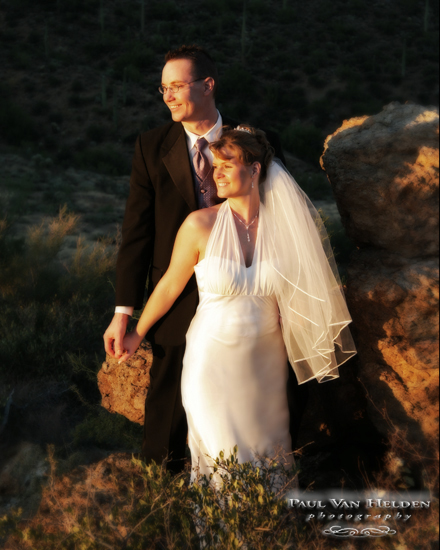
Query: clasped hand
(131, 342)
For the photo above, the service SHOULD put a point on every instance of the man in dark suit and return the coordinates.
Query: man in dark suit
(165, 187)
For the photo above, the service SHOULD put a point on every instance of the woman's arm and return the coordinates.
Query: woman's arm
(185, 256)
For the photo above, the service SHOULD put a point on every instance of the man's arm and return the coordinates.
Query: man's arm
(135, 253)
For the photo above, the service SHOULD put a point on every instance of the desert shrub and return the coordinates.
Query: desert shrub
(370, 107)
(20, 58)
(298, 101)
(106, 430)
(137, 59)
(237, 82)
(102, 46)
(77, 100)
(97, 133)
(54, 81)
(305, 142)
(77, 86)
(258, 7)
(286, 15)
(105, 160)
(167, 11)
(145, 507)
(51, 310)
(16, 126)
(317, 81)
(316, 186)
(41, 107)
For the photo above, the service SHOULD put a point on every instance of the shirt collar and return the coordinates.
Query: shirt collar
(211, 135)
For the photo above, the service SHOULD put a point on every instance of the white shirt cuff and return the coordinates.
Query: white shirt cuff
(128, 310)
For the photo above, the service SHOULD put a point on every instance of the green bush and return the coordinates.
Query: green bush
(16, 126)
(237, 82)
(305, 142)
(41, 107)
(136, 60)
(97, 133)
(105, 160)
(106, 430)
(145, 507)
(167, 11)
(316, 186)
(51, 311)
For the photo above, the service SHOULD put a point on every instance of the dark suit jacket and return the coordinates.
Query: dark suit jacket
(161, 196)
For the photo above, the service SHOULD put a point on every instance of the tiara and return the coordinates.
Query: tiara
(241, 129)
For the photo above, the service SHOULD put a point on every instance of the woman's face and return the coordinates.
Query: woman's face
(232, 177)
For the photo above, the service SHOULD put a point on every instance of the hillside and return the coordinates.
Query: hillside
(79, 78)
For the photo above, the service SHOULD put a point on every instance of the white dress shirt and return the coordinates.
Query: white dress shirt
(211, 135)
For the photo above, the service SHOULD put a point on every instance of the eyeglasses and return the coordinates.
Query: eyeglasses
(174, 89)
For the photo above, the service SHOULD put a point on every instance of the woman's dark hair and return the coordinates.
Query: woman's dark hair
(202, 62)
(249, 144)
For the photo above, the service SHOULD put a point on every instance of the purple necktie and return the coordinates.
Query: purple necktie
(206, 188)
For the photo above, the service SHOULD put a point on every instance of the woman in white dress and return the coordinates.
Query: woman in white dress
(269, 291)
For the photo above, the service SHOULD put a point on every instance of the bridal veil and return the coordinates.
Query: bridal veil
(297, 251)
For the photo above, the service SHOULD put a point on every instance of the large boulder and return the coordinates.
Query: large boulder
(124, 386)
(384, 173)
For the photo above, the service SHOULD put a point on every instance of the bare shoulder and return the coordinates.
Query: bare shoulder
(202, 220)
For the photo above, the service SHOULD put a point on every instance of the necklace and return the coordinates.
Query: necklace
(247, 225)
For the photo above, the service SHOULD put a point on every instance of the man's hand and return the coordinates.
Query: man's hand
(114, 335)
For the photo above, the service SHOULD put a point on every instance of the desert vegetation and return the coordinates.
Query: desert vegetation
(81, 76)
(78, 82)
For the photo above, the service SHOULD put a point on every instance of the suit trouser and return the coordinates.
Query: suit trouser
(165, 426)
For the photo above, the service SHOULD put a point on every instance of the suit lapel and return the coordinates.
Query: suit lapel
(176, 160)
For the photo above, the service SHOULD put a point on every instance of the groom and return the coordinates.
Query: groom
(171, 177)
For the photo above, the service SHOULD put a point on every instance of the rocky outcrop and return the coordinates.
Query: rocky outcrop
(384, 174)
(124, 387)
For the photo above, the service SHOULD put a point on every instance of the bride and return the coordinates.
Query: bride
(269, 292)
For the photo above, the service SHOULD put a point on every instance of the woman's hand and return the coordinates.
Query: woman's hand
(131, 343)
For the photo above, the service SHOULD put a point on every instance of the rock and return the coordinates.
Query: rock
(124, 387)
(395, 312)
(384, 174)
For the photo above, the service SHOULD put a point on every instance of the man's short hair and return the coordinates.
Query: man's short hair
(203, 63)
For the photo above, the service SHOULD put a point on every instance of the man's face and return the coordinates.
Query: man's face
(188, 103)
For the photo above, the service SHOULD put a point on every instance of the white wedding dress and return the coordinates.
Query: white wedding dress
(235, 366)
